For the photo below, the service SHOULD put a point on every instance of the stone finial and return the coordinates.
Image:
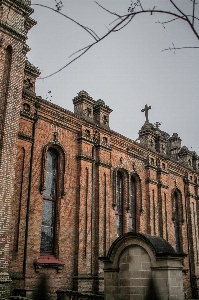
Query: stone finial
(30, 75)
(83, 105)
(101, 113)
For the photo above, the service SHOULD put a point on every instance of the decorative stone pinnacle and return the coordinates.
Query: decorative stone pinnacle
(157, 124)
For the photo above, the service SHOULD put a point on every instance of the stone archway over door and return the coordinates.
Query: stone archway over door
(134, 260)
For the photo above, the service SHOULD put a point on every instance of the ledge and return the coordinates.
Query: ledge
(48, 261)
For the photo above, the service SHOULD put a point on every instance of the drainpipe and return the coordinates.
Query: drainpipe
(93, 214)
(189, 252)
(35, 118)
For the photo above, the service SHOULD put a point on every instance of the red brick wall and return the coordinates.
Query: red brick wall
(85, 223)
(86, 229)
(11, 82)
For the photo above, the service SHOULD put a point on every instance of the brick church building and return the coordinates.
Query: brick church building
(71, 188)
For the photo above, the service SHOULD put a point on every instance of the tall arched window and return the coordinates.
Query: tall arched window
(119, 204)
(49, 203)
(176, 221)
(132, 212)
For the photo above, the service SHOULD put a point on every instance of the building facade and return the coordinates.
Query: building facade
(70, 186)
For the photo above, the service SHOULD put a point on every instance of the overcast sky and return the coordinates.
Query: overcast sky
(127, 69)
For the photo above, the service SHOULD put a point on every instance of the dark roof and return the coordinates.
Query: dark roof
(160, 245)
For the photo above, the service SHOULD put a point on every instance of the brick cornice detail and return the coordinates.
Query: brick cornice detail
(160, 171)
(162, 185)
(12, 31)
(101, 145)
(103, 164)
(25, 137)
(19, 5)
(26, 115)
(149, 180)
(158, 183)
(84, 157)
(86, 139)
(148, 166)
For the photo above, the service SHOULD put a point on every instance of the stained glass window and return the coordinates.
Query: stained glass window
(49, 205)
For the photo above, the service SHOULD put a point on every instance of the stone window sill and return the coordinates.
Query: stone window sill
(48, 261)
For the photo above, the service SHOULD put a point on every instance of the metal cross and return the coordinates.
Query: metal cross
(146, 109)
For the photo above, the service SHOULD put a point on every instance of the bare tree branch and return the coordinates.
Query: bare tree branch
(110, 12)
(124, 24)
(193, 14)
(88, 30)
(85, 49)
(122, 21)
(180, 48)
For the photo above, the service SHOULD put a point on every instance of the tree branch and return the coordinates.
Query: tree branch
(85, 49)
(88, 30)
(122, 21)
(180, 48)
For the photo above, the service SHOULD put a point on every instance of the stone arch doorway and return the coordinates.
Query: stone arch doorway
(134, 260)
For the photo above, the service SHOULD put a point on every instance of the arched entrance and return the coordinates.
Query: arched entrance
(134, 260)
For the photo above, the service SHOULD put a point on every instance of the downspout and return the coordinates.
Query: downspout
(187, 225)
(35, 118)
(92, 206)
(93, 214)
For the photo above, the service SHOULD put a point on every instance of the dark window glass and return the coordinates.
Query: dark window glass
(48, 209)
(132, 215)
(51, 170)
(119, 205)
(176, 223)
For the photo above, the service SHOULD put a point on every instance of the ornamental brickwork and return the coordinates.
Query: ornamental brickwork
(87, 219)
(71, 186)
(14, 25)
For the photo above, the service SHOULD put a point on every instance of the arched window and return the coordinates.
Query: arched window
(119, 204)
(49, 203)
(132, 212)
(176, 208)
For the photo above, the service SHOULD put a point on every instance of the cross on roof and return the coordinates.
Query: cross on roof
(146, 109)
